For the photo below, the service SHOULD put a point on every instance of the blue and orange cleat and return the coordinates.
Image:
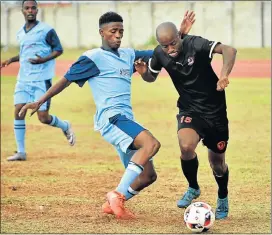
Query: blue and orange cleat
(222, 208)
(116, 201)
(107, 209)
(188, 197)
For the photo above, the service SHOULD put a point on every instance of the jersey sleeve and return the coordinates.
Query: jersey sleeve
(53, 40)
(204, 46)
(154, 64)
(82, 70)
(145, 55)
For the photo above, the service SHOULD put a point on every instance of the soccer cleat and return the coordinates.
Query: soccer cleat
(70, 135)
(188, 197)
(222, 208)
(117, 201)
(107, 209)
(17, 157)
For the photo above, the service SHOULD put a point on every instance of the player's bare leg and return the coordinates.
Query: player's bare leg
(188, 140)
(19, 131)
(54, 121)
(221, 175)
(147, 147)
(146, 178)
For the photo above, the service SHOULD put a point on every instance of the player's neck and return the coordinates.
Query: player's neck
(30, 23)
(108, 48)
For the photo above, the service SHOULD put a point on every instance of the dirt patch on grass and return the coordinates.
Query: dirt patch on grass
(66, 200)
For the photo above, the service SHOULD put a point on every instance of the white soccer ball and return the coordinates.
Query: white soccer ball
(199, 217)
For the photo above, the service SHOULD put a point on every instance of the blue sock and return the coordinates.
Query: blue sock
(56, 122)
(19, 131)
(130, 193)
(131, 173)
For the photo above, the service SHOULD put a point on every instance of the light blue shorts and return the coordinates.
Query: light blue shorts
(27, 92)
(121, 132)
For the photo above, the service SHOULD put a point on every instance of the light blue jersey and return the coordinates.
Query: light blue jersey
(109, 76)
(41, 40)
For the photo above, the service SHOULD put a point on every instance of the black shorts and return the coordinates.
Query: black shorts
(214, 131)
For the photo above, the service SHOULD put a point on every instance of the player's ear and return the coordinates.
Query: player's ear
(101, 32)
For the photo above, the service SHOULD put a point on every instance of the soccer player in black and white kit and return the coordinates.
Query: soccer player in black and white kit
(202, 103)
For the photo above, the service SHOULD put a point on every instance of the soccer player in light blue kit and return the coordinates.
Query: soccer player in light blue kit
(39, 40)
(108, 71)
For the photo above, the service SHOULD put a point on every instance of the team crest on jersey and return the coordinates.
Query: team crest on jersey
(191, 60)
(124, 72)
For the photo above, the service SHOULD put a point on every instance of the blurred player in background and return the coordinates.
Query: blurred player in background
(202, 103)
(39, 46)
(108, 71)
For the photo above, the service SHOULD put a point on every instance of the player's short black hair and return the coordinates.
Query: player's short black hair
(28, 0)
(109, 17)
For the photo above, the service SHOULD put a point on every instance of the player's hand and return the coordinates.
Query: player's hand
(140, 66)
(222, 84)
(34, 106)
(38, 60)
(187, 22)
(5, 63)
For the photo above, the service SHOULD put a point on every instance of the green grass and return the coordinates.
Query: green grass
(73, 54)
(60, 188)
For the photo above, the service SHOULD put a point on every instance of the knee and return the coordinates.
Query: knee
(16, 113)
(156, 145)
(187, 148)
(152, 147)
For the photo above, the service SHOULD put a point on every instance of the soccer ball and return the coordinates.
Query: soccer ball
(199, 217)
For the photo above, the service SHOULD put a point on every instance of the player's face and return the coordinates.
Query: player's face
(112, 34)
(30, 10)
(171, 45)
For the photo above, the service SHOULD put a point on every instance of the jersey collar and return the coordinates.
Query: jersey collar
(112, 51)
(37, 22)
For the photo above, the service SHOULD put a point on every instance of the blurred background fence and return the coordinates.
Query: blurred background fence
(245, 24)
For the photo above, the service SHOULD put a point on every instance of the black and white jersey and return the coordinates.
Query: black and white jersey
(192, 75)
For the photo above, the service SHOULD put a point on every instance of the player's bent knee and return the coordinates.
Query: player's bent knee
(156, 145)
(187, 148)
(18, 108)
(152, 147)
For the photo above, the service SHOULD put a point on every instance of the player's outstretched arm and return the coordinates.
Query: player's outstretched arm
(9, 61)
(54, 90)
(187, 23)
(229, 55)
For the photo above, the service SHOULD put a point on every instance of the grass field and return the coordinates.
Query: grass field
(60, 189)
(73, 54)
